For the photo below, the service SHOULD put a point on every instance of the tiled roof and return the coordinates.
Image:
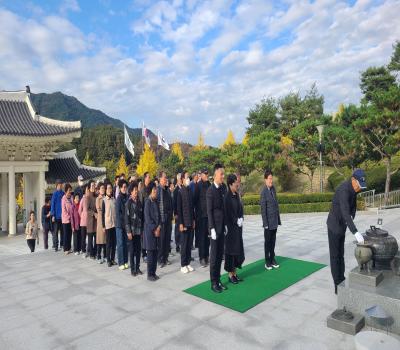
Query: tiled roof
(66, 167)
(16, 119)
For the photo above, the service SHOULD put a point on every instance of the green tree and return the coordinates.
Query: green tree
(264, 150)
(380, 107)
(206, 158)
(263, 116)
(177, 150)
(87, 161)
(171, 165)
(305, 155)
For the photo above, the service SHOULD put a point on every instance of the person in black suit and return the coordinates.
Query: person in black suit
(271, 219)
(341, 215)
(186, 222)
(165, 206)
(152, 229)
(201, 218)
(178, 185)
(234, 252)
(216, 225)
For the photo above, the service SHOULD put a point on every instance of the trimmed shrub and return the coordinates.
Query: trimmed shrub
(290, 198)
(254, 209)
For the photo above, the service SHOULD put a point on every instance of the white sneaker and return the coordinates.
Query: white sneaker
(268, 267)
(76, 253)
(184, 269)
(121, 267)
(190, 268)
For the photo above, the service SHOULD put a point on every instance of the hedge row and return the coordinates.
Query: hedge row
(291, 198)
(298, 207)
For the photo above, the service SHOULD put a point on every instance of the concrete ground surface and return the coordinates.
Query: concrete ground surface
(52, 301)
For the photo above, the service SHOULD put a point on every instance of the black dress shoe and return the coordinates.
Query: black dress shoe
(156, 277)
(151, 278)
(335, 288)
(134, 273)
(109, 264)
(162, 265)
(233, 280)
(220, 285)
(238, 278)
(139, 272)
(216, 289)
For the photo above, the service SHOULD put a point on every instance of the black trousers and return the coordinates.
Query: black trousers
(216, 255)
(111, 244)
(91, 244)
(101, 247)
(46, 238)
(31, 244)
(204, 239)
(186, 246)
(144, 252)
(57, 230)
(336, 254)
(83, 238)
(151, 262)
(269, 245)
(177, 234)
(67, 230)
(164, 242)
(134, 249)
(77, 241)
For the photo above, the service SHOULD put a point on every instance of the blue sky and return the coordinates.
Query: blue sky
(191, 66)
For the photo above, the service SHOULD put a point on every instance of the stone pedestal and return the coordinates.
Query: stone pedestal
(357, 297)
(351, 327)
(372, 278)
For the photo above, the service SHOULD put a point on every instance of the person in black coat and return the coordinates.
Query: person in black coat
(234, 252)
(152, 228)
(178, 185)
(165, 206)
(201, 217)
(186, 222)
(216, 225)
(46, 222)
(122, 244)
(341, 215)
(271, 219)
(134, 227)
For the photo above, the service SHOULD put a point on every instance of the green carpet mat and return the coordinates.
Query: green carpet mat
(259, 284)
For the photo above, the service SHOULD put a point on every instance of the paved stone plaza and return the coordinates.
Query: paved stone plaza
(49, 301)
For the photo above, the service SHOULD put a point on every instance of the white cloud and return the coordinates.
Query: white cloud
(69, 5)
(193, 81)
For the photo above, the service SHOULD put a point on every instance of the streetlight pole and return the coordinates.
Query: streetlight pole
(320, 129)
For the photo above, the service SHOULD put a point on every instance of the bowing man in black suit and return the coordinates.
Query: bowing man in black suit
(216, 225)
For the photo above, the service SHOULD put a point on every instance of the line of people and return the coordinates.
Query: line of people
(133, 220)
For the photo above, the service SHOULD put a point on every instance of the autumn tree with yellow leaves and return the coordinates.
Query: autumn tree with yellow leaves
(147, 162)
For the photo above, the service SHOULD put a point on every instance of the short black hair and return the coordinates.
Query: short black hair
(31, 212)
(100, 184)
(67, 187)
(267, 173)
(116, 177)
(217, 166)
(231, 179)
(90, 182)
(132, 186)
(121, 182)
(145, 174)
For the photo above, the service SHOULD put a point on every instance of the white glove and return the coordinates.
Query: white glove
(213, 234)
(266, 227)
(359, 237)
(240, 222)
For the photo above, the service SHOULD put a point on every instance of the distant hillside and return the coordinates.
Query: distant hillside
(68, 108)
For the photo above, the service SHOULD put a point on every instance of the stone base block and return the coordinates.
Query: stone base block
(372, 278)
(351, 327)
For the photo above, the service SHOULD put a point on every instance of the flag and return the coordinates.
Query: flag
(145, 134)
(128, 142)
(162, 142)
